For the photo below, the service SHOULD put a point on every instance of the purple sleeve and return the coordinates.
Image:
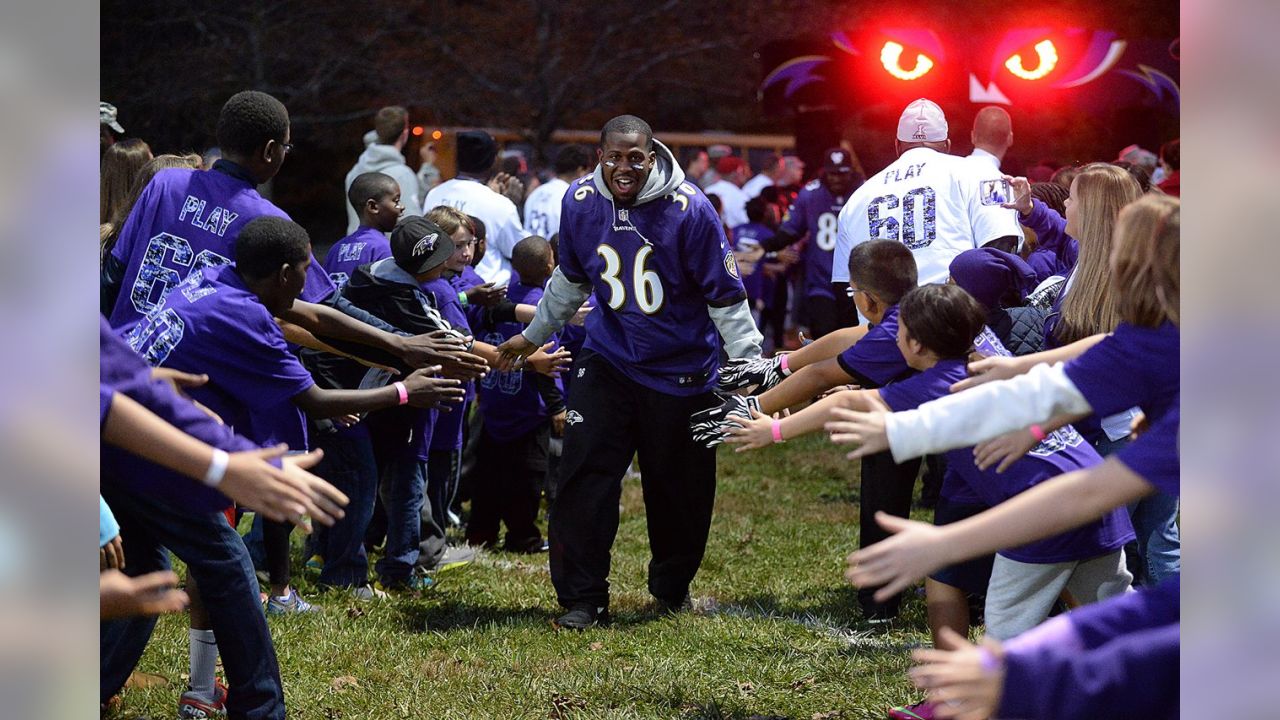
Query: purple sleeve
(1154, 455)
(254, 366)
(1051, 233)
(104, 403)
(1110, 381)
(318, 285)
(570, 264)
(709, 258)
(875, 359)
(1133, 675)
(911, 393)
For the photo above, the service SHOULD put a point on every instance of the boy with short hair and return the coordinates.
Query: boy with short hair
(519, 417)
(376, 199)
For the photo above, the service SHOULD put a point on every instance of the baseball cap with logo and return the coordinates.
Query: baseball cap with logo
(837, 160)
(419, 245)
(107, 114)
(922, 121)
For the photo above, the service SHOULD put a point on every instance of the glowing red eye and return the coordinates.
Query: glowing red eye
(1047, 60)
(891, 55)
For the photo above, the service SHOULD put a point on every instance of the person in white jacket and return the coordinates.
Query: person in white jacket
(391, 127)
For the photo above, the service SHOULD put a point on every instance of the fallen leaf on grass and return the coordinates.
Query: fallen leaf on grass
(833, 715)
(596, 645)
(342, 683)
(354, 612)
(746, 688)
(804, 684)
(563, 705)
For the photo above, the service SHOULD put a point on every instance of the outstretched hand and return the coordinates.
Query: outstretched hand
(1021, 189)
(915, 550)
(427, 390)
(996, 367)
(549, 363)
(285, 494)
(513, 351)
(749, 434)
(963, 680)
(864, 429)
(446, 349)
(121, 596)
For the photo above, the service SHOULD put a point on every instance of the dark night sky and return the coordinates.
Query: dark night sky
(685, 65)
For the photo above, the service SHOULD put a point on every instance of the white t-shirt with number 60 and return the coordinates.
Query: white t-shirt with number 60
(928, 201)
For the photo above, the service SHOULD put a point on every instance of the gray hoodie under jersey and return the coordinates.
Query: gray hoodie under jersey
(384, 159)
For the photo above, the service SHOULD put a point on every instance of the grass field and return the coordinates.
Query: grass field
(776, 632)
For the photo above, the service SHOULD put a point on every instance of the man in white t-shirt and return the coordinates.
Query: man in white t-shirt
(770, 172)
(477, 154)
(542, 207)
(733, 172)
(926, 199)
(992, 137)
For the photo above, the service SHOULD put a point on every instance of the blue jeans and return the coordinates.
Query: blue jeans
(402, 488)
(216, 557)
(1155, 522)
(348, 464)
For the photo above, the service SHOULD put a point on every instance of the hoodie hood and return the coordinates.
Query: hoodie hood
(663, 180)
(377, 158)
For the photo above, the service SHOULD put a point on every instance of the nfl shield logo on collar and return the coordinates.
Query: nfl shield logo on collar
(624, 215)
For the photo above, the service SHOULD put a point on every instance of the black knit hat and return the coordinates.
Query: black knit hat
(476, 151)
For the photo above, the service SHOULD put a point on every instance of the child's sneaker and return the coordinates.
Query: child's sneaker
(316, 563)
(194, 707)
(919, 711)
(416, 582)
(289, 604)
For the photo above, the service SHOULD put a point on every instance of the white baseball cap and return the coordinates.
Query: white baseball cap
(922, 121)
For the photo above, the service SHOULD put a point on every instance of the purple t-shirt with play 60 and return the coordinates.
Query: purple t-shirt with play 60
(815, 213)
(510, 401)
(186, 221)
(365, 245)
(211, 323)
(1062, 451)
(655, 268)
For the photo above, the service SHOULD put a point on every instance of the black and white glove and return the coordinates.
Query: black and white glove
(763, 373)
(711, 425)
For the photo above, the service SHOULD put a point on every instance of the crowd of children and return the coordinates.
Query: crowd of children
(1040, 381)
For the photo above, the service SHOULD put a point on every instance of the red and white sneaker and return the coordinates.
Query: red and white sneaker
(194, 707)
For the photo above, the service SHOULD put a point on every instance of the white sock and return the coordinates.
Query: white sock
(204, 661)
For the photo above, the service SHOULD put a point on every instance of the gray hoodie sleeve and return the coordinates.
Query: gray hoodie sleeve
(560, 301)
(737, 330)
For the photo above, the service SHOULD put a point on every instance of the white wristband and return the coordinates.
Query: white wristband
(217, 468)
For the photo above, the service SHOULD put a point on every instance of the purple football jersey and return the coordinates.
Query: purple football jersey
(510, 401)
(1061, 452)
(211, 323)
(655, 268)
(365, 245)
(186, 221)
(814, 214)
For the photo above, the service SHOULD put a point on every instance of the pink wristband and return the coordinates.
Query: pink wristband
(777, 431)
(783, 365)
(404, 393)
(1037, 432)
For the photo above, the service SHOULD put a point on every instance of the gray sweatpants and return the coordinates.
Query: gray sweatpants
(1020, 595)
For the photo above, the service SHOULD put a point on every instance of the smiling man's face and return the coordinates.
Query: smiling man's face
(625, 164)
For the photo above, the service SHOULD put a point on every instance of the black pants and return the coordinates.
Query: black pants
(886, 486)
(825, 315)
(507, 487)
(612, 418)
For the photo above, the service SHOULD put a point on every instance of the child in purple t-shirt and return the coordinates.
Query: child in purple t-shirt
(376, 198)
(521, 411)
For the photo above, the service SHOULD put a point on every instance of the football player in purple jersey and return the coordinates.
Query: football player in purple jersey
(651, 247)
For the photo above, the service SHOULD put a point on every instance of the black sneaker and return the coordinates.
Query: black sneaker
(667, 606)
(581, 617)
